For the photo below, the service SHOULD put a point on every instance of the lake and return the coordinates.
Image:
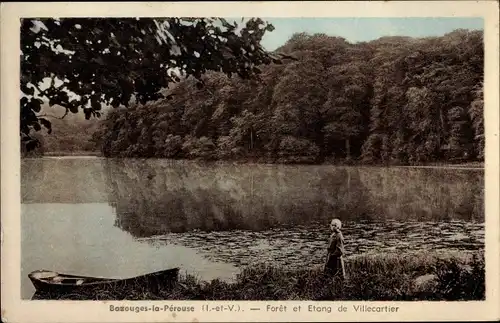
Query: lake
(125, 217)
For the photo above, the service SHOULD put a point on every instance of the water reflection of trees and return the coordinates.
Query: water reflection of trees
(426, 194)
(159, 196)
(65, 180)
(154, 197)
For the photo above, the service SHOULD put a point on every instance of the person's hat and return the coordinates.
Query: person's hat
(336, 223)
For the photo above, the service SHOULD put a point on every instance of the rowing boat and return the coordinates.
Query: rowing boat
(53, 282)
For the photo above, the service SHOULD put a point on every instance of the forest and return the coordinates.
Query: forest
(395, 100)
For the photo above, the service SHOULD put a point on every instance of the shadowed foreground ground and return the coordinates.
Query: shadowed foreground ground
(412, 276)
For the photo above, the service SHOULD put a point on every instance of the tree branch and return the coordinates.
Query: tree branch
(208, 90)
(53, 116)
(53, 81)
(39, 90)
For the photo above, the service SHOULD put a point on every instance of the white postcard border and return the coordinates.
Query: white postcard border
(16, 310)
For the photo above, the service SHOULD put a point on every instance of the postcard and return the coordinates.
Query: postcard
(254, 161)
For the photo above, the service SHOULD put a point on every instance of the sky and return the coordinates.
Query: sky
(365, 29)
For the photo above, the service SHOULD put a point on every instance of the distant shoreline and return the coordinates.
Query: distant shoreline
(466, 165)
(71, 153)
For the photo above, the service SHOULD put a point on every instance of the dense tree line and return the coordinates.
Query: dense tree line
(392, 100)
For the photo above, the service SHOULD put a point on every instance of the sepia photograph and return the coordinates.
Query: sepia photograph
(252, 158)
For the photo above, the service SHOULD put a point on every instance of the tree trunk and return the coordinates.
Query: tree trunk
(251, 139)
(348, 148)
(441, 132)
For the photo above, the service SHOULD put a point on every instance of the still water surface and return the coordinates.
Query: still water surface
(125, 217)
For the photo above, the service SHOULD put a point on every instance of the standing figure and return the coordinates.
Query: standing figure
(334, 260)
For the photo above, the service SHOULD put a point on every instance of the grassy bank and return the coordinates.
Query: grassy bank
(422, 276)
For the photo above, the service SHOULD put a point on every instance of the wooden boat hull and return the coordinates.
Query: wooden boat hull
(52, 282)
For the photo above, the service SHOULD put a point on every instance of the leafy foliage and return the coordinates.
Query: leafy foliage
(83, 64)
(393, 100)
